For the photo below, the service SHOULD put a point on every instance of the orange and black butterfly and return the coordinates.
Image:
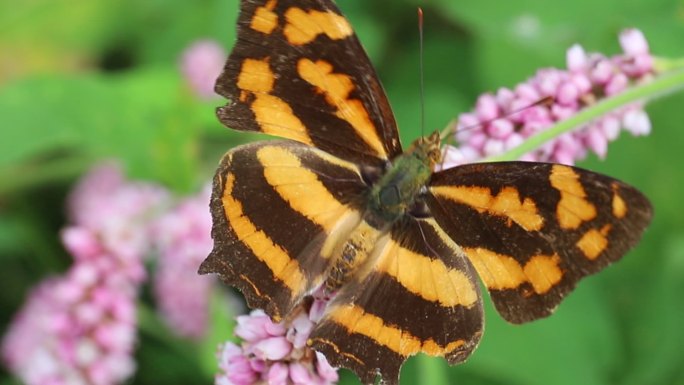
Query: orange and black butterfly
(337, 203)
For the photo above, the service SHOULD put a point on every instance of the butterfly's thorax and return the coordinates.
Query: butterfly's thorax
(390, 198)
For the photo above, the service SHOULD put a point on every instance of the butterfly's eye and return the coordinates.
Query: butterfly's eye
(435, 155)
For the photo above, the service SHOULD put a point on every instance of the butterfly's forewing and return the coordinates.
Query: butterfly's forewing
(532, 230)
(278, 208)
(421, 295)
(298, 71)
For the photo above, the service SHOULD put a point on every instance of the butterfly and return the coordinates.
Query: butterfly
(338, 204)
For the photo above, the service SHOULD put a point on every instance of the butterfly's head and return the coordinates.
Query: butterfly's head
(427, 149)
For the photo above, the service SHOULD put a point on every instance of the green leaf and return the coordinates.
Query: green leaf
(656, 333)
(140, 117)
(577, 345)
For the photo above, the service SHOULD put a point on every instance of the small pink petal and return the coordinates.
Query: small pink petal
(275, 329)
(273, 348)
(299, 331)
(637, 122)
(536, 114)
(567, 94)
(477, 140)
(597, 142)
(548, 80)
(582, 82)
(323, 368)
(643, 63)
(486, 107)
(238, 370)
(638, 66)
(564, 157)
(602, 72)
(466, 120)
(88, 314)
(85, 275)
(252, 327)
(532, 127)
(69, 291)
(493, 147)
(562, 112)
(81, 242)
(86, 352)
(257, 365)
(500, 128)
(470, 154)
(277, 374)
(201, 64)
(610, 127)
(528, 93)
(504, 98)
(514, 140)
(299, 374)
(617, 84)
(633, 42)
(452, 157)
(576, 58)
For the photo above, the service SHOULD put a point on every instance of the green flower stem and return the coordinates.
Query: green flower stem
(660, 85)
(662, 64)
(431, 370)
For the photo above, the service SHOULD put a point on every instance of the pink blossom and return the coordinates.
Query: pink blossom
(54, 339)
(503, 120)
(183, 240)
(201, 64)
(80, 328)
(275, 353)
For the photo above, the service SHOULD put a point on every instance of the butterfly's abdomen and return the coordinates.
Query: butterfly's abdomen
(354, 254)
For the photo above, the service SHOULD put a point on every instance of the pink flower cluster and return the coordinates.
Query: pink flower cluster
(183, 238)
(80, 328)
(201, 64)
(275, 354)
(501, 121)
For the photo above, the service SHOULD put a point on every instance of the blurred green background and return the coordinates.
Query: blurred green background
(87, 80)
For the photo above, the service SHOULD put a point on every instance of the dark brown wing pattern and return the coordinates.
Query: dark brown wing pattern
(277, 208)
(298, 71)
(421, 295)
(532, 230)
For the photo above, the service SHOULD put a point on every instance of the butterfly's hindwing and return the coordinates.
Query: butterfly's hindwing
(298, 71)
(420, 295)
(532, 230)
(278, 208)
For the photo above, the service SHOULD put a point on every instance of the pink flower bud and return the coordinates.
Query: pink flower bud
(500, 128)
(576, 58)
(201, 64)
(486, 107)
(272, 348)
(278, 374)
(633, 42)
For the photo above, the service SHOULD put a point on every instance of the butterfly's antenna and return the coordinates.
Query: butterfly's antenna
(452, 127)
(422, 80)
